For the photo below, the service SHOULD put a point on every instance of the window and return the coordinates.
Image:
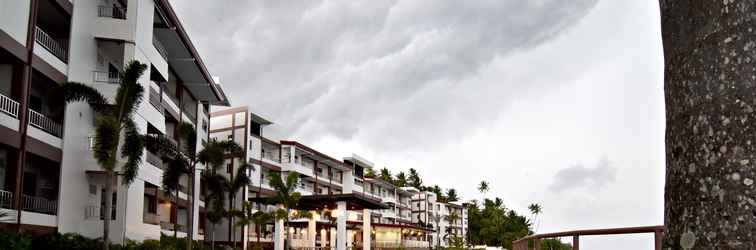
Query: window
(229, 168)
(102, 205)
(150, 204)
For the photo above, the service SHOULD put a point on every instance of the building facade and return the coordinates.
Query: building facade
(45, 151)
(403, 222)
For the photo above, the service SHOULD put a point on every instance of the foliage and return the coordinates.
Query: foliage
(56, 241)
(414, 179)
(451, 195)
(554, 244)
(385, 175)
(495, 225)
(400, 180)
(116, 139)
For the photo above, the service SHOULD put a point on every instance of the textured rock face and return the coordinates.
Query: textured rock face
(710, 91)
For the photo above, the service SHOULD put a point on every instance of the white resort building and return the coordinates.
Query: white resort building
(344, 202)
(47, 172)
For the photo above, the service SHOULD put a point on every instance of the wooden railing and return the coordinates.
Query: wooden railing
(8, 106)
(108, 77)
(534, 241)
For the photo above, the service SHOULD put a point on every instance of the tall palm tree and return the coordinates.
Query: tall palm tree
(535, 209)
(182, 160)
(114, 126)
(232, 186)
(286, 196)
(483, 188)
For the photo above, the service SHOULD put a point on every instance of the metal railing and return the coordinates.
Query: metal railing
(154, 160)
(39, 204)
(58, 48)
(40, 121)
(534, 241)
(155, 99)
(6, 199)
(160, 48)
(8, 106)
(108, 77)
(116, 12)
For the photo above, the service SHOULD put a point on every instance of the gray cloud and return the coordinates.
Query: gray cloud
(355, 70)
(578, 175)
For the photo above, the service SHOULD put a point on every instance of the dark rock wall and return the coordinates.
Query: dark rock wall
(710, 91)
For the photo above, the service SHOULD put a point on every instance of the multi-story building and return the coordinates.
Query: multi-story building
(428, 211)
(45, 150)
(401, 223)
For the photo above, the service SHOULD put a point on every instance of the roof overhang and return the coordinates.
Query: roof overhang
(316, 155)
(357, 160)
(184, 59)
(318, 202)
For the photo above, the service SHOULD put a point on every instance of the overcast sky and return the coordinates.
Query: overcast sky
(553, 102)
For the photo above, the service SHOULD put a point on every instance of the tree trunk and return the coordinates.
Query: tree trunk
(231, 233)
(212, 237)
(190, 226)
(108, 209)
(710, 134)
(175, 225)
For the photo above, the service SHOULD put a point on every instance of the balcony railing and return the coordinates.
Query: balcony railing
(154, 160)
(58, 48)
(39, 205)
(107, 77)
(40, 121)
(8, 106)
(151, 218)
(534, 241)
(160, 48)
(155, 99)
(168, 226)
(6, 199)
(111, 11)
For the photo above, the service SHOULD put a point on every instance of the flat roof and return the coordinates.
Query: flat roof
(358, 160)
(326, 201)
(314, 152)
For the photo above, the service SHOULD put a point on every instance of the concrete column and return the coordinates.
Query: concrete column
(367, 229)
(278, 235)
(311, 230)
(341, 232)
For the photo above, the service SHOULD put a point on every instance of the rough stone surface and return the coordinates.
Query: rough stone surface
(710, 91)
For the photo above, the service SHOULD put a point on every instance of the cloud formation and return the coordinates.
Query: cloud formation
(354, 70)
(580, 176)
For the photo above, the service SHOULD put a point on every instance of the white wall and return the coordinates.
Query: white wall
(14, 18)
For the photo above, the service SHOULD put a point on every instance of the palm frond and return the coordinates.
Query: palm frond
(68, 92)
(106, 139)
(172, 175)
(241, 179)
(212, 154)
(130, 93)
(160, 145)
(132, 149)
(189, 138)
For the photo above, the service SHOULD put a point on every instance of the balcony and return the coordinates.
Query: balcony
(160, 48)
(154, 160)
(6, 199)
(151, 218)
(8, 106)
(116, 12)
(57, 47)
(44, 123)
(155, 100)
(106, 77)
(39, 205)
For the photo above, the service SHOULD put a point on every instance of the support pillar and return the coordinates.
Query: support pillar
(367, 229)
(575, 242)
(311, 231)
(341, 232)
(278, 235)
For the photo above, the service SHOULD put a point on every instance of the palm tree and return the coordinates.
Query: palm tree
(414, 179)
(483, 188)
(535, 209)
(451, 195)
(452, 219)
(369, 173)
(260, 218)
(400, 180)
(114, 126)
(437, 219)
(182, 160)
(386, 175)
(232, 186)
(286, 196)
